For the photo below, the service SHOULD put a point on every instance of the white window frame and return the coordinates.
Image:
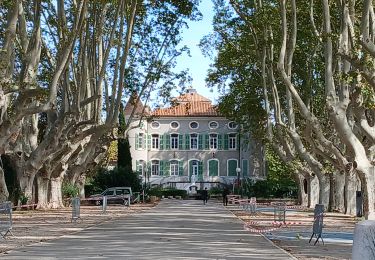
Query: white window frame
(230, 141)
(190, 143)
(213, 142)
(209, 125)
(174, 138)
(174, 167)
(155, 168)
(141, 166)
(155, 141)
(195, 167)
(194, 122)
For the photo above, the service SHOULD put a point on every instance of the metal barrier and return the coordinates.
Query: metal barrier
(279, 212)
(232, 199)
(6, 222)
(104, 204)
(76, 209)
(318, 223)
(127, 200)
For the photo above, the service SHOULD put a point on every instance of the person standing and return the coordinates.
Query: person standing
(225, 196)
(205, 195)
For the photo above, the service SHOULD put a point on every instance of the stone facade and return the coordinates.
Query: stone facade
(190, 146)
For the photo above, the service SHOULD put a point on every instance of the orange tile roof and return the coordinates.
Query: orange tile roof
(191, 97)
(189, 104)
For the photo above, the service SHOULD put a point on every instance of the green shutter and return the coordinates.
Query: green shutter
(137, 166)
(190, 169)
(148, 142)
(226, 141)
(200, 142)
(167, 140)
(180, 142)
(220, 142)
(161, 142)
(148, 170)
(187, 141)
(167, 168)
(213, 166)
(161, 168)
(180, 168)
(232, 165)
(207, 142)
(200, 171)
(136, 141)
(244, 169)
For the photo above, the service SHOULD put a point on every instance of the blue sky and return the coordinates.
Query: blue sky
(197, 63)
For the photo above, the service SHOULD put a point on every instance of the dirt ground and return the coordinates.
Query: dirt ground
(33, 226)
(294, 237)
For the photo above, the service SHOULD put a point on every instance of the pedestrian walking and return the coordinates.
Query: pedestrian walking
(225, 196)
(205, 195)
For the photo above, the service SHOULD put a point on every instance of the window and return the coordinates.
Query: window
(140, 141)
(155, 141)
(232, 141)
(194, 167)
(155, 125)
(174, 141)
(175, 125)
(232, 125)
(174, 167)
(231, 167)
(213, 125)
(139, 167)
(213, 167)
(213, 141)
(109, 193)
(194, 141)
(194, 125)
(155, 167)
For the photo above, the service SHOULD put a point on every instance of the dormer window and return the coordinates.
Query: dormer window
(175, 125)
(213, 125)
(194, 125)
(232, 125)
(155, 125)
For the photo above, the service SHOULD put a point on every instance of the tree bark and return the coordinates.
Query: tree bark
(313, 191)
(338, 189)
(43, 185)
(4, 194)
(56, 200)
(350, 193)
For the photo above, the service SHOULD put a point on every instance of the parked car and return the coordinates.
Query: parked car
(115, 195)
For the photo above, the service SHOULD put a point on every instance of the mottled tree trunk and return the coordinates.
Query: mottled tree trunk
(301, 195)
(313, 191)
(26, 185)
(324, 186)
(350, 192)
(56, 200)
(338, 191)
(368, 185)
(3, 187)
(81, 186)
(43, 184)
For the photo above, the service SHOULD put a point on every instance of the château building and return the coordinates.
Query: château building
(189, 145)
